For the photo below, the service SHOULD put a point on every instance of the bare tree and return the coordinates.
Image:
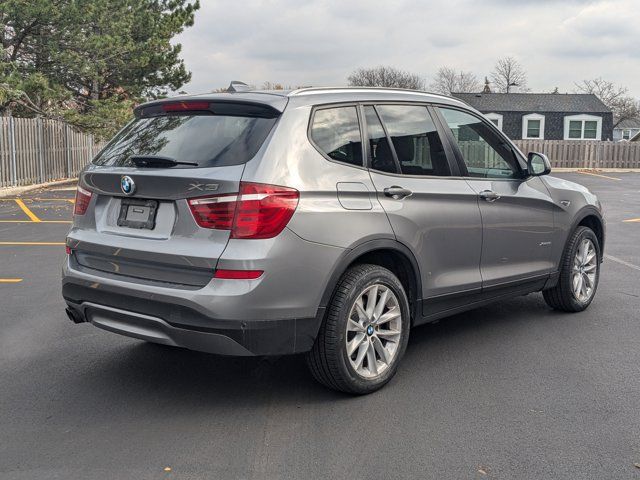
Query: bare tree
(447, 81)
(623, 106)
(507, 74)
(273, 86)
(383, 76)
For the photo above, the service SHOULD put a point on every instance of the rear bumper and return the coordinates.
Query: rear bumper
(223, 337)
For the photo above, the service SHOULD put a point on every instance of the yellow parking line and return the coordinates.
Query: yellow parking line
(30, 221)
(597, 175)
(53, 200)
(632, 220)
(33, 243)
(10, 280)
(26, 210)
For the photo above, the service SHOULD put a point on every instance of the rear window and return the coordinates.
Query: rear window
(203, 138)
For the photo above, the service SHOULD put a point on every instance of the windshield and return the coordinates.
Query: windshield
(204, 139)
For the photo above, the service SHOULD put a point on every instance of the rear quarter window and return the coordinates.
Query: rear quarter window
(206, 139)
(336, 133)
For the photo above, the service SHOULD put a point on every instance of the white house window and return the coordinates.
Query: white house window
(533, 126)
(626, 134)
(582, 127)
(496, 119)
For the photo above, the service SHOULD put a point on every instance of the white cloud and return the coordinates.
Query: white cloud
(320, 43)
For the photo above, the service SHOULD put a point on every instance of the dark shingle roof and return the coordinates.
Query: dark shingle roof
(534, 102)
(629, 123)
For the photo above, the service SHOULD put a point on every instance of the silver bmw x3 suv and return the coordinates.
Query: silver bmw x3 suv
(325, 221)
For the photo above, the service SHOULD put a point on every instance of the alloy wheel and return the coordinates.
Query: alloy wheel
(585, 268)
(374, 330)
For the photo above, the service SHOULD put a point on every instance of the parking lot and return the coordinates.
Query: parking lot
(513, 390)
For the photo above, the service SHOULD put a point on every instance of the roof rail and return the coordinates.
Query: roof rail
(369, 89)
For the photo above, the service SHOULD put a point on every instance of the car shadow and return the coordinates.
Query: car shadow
(190, 379)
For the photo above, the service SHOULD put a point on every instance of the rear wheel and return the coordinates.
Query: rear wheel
(579, 273)
(364, 334)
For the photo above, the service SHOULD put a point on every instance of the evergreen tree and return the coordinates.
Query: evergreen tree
(89, 61)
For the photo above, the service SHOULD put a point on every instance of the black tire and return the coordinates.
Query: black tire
(328, 360)
(561, 297)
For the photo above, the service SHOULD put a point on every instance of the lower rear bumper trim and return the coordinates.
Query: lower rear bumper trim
(247, 339)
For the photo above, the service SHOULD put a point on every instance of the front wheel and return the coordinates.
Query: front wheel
(579, 273)
(364, 334)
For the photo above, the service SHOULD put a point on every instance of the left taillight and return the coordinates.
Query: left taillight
(83, 197)
(257, 211)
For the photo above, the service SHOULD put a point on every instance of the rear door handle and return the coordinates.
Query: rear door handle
(489, 195)
(397, 193)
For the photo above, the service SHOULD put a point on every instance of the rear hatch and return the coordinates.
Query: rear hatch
(145, 218)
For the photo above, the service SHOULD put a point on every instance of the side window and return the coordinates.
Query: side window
(381, 155)
(485, 154)
(415, 140)
(336, 132)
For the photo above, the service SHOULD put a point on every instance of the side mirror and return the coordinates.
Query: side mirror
(538, 164)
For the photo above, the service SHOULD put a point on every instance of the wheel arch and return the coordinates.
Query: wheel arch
(387, 253)
(589, 216)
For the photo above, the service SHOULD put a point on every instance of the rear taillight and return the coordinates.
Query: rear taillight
(214, 212)
(263, 210)
(83, 197)
(258, 211)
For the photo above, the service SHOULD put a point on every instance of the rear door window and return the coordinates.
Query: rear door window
(379, 147)
(415, 140)
(203, 137)
(336, 133)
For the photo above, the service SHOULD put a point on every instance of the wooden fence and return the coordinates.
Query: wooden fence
(585, 154)
(35, 150)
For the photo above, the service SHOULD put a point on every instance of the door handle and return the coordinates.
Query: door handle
(489, 195)
(397, 193)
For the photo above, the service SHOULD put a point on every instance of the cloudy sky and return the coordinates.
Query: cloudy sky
(318, 43)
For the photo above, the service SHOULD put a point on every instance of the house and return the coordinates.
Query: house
(545, 116)
(626, 129)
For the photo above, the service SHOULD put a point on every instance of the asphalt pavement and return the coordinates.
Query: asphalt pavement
(509, 391)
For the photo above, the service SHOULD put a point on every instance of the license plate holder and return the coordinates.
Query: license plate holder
(137, 213)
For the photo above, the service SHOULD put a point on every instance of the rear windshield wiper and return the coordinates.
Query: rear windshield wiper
(156, 161)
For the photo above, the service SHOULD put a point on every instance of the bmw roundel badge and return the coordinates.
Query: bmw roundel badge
(127, 185)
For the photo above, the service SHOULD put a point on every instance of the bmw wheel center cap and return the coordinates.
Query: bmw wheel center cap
(127, 185)
(370, 330)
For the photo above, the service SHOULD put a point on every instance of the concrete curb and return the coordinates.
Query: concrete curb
(13, 191)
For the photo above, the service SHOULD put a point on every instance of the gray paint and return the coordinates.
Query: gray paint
(462, 243)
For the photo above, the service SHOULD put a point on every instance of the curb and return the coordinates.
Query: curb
(12, 191)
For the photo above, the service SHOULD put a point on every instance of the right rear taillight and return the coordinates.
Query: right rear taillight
(214, 212)
(83, 197)
(257, 211)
